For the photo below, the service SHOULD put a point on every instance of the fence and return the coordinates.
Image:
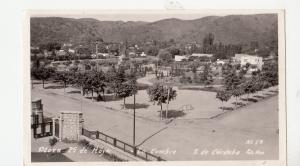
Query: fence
(42, 129)
(121, 145)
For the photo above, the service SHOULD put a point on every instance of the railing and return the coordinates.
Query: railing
(121, 145)
(42, 129)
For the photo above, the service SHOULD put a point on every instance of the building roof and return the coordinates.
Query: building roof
(201, 55)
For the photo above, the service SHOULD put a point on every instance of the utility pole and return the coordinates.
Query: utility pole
(168, 98)
(133, 120)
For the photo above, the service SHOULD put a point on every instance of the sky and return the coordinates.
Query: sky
(148, 16)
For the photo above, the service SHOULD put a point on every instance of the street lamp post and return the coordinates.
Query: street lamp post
(133, 119)
(134, 150)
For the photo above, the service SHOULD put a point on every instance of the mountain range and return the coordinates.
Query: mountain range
(231, 29)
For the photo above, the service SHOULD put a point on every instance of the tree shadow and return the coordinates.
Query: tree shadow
(226, 108)
(55, 87)
(173, 113)
(105, 98)
(249, 99)
(137, 106)
(74, 92)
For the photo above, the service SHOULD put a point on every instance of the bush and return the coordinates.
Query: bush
(227, 108)
(258, 96)
(53, 141)
(239, 103)
(252, 100)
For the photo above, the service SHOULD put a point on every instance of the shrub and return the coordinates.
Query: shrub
(53, 141)
(258, 96)
(227, 108)
(252, 100)
(239, 103)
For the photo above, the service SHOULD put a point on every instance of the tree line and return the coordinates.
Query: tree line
(236, 84)
(97, 82)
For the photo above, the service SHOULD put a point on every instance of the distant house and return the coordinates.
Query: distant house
(143, 54)
(132, 54)
(179, 58)
(221, 61)
(61, 67)
(61, 53)
(72, 51)
(201, 55)
(243, 59)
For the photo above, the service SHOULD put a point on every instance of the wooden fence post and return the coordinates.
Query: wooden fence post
(97, 134)
(115, 142)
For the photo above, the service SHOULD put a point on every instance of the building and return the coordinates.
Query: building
(179, 58)
(221, 61)
(72, 51)
(61, 53)
(201, 55)
(143, 54)
(253, 60)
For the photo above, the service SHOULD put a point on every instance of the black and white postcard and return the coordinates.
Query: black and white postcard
(186, 87)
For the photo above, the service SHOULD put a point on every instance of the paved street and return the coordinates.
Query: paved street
(187, 137)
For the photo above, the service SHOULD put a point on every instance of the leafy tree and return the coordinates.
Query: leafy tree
(165, 56)
(232, 80)
(42, 73)
(80, 80)
(208, 42)
(223, 95)
(206, 76)
(249, 87)
(270, 72)
(174, 51)
(64, 77)
(99, 83)
(126, 89)
(160, 94)
(237, 93)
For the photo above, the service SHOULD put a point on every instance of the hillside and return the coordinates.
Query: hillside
(230, 29)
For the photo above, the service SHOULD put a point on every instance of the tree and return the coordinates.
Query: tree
(270, 72)
(249, 87)
(99, 83)
(42, 73)
(64, 77)
(237, 93)
(208, 42)
(160, 94)
(223, 95)
(80, 80)
(232, 80)
(95, 82)
(126, 89)
(165, 56)
(206, 76)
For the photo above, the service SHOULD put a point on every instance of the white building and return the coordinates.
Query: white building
(143, 54)
(243, 59)
(179, 58)
(220, 62)
(72, 51)
(201, 55)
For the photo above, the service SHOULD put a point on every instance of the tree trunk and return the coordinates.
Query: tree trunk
(222, 106)
(124, 106)
(43, 84)
(160, 111)
(103, 96)
(247, 98)
(236, 99)
(65, 87)
(92, 95)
